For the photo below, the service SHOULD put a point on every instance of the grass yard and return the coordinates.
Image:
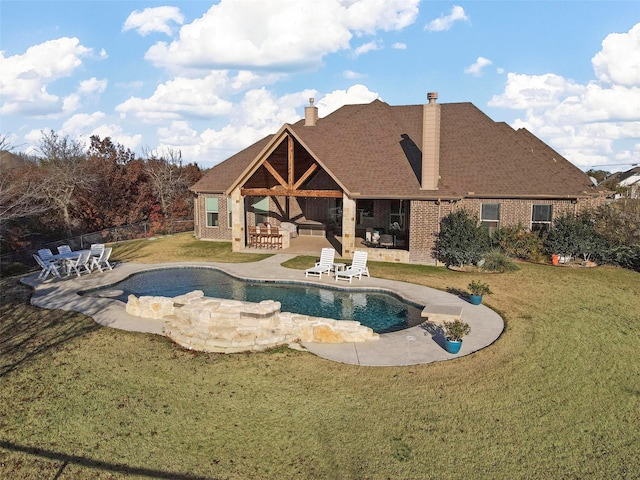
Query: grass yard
(557, 396)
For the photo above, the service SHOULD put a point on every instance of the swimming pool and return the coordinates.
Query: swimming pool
(383, 312)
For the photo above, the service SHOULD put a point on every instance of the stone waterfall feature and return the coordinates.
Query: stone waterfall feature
(217, 325)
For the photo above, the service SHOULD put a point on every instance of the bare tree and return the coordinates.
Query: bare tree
(21, 189)
(167, 177)
(64, 168)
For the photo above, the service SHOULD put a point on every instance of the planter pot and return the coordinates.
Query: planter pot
(452, 346)
(555, 259)
(475, 299)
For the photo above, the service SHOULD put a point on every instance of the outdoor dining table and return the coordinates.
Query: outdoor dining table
(66, 257)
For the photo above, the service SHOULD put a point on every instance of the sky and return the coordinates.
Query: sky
(209, 78)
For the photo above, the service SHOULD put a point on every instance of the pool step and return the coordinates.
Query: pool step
(441, 313)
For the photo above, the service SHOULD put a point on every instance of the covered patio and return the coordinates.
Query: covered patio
(288, 190)
(312, 245)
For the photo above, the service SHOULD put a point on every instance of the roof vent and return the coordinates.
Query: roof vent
(310, 114)
(432, 97)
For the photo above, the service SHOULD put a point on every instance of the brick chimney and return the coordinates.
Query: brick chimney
(430, 143)
(310, 114)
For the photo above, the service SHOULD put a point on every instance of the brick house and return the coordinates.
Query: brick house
(395, 170)
(625, 184)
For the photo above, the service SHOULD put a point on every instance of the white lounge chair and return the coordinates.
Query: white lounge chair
(324, 265)
(79, 263)
(357, 268)
(48, 267)
(102, 260)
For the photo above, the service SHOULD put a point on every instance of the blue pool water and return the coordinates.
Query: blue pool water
(380, 311)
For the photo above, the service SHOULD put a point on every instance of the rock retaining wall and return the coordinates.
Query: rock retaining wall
(228, 326)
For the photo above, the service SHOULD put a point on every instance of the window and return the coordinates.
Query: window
(261, 210)
(490, 216)
(212, 212)
(540, 218)
(229, 207)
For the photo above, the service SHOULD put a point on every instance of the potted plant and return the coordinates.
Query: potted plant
(477, 289)
(453, 333)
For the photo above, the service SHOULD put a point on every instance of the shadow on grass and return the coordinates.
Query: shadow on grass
(95, 464)
(27, 332)
(459, 292)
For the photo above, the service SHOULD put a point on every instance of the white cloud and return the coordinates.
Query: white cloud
(87, 88)
(277, 35)
(82, 126)
(185, 97)
(354, 95)
(399, 46)
(476, 68)
(78, 124)
(24, 78)
(351, 75)
(93, 85)
(156, 19)
(180, 97)
(368, 47)
(590, 124)
(619, 60)
(117, 135)
(445, 22)
(258, 114)
(534, 91)
(133, 85)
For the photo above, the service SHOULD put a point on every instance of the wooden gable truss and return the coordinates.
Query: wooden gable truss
(286, 168)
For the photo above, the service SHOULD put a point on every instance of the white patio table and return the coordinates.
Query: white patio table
(66, 256)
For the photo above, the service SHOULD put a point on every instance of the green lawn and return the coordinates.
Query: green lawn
(557, 396)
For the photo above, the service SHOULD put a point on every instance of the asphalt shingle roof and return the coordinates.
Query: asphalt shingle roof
(374, 150)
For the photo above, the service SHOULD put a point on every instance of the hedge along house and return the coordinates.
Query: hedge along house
(396, 170)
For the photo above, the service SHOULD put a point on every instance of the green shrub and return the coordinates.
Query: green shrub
(495, 260)
(626, 256)
(575, 236)
(461, 240)
(456, 329)
(518, 242)
(477, 287)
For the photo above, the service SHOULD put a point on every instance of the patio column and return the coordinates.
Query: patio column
(348, 226)
(238, 238)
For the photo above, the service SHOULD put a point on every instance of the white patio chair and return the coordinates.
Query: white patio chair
(48, 267)
(324, 265)
(96, 249)
(357, 268)
(64, 249)
(101, 261)
(82, 262)
(45, 254)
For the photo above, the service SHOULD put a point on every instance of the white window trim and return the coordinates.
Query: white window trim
(207, 211)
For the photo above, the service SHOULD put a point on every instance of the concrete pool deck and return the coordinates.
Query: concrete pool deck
(415, 345)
